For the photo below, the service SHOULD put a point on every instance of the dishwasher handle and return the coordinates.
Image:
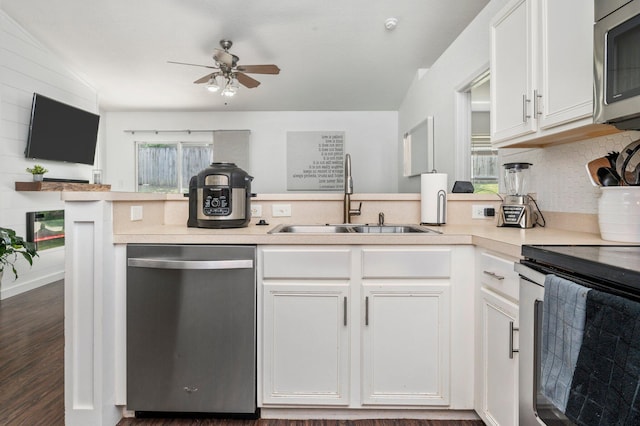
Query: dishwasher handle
(138, 262)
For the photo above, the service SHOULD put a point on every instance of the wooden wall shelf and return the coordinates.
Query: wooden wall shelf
(60, 186)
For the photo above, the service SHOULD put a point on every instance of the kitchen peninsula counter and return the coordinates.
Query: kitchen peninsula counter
(99, 226)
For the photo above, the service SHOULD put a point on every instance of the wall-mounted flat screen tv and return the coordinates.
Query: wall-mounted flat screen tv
(61, 132)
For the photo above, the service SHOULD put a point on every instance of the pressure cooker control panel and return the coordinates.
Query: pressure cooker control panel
(216, 201)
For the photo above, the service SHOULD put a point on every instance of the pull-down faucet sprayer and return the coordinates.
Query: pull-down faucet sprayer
(348, 190)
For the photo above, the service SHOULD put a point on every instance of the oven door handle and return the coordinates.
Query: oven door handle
(511, 330)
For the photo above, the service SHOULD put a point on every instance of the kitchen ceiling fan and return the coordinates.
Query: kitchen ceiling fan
(228, 73)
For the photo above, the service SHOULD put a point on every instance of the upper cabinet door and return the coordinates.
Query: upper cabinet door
(542, 74)
(566, 61)
(512, 68)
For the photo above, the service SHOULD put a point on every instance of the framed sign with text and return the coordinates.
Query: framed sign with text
(315, 161)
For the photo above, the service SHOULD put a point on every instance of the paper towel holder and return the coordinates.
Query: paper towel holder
(441, 214)
(441, 207)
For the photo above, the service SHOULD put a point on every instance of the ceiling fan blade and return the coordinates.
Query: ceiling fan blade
(193, 65)
(260, 69)
(223, 57)
(247, 81)
(204, 79)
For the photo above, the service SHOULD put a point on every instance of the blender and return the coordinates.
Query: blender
(517, 208)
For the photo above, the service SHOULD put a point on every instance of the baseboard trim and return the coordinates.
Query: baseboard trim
(23, 287)
(359, 414)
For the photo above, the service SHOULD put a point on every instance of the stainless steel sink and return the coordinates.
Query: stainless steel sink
(352, 228)
(392, 229)
(310, 229)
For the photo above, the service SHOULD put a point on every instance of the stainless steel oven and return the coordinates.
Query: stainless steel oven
(617, 63)
(613, 269)
(533, 407)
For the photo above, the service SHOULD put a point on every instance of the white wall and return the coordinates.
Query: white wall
(26, 66)
(370, 138)
(434, 93)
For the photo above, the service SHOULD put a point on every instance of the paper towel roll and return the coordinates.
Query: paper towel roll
(433, 198)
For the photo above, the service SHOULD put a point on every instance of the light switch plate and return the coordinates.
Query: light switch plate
(281, 210)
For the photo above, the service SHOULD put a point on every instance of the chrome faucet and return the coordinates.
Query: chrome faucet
(348, 190)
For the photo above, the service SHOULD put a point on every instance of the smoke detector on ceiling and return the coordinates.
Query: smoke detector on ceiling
(390, 24)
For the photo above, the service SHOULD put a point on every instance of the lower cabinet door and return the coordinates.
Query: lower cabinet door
(405, 344)
(499, 367)
(306, 343)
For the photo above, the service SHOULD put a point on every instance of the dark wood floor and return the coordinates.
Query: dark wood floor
(32, 357)
(32, 371)
(269, 422)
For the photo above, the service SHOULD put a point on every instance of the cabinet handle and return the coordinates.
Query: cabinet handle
(525, 101)
(344, 310)
(366, 310)
(537, 100)
(494, 275)
(511, 330)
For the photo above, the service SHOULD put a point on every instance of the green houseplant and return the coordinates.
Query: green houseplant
(37, 171)
(12, 245)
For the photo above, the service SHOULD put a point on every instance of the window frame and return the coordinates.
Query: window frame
(179, 163)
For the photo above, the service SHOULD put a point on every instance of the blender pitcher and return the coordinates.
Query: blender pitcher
(516, 178)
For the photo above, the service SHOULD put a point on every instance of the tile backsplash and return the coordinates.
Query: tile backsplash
(559, 177)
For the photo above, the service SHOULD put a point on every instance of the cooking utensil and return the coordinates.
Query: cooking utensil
(592, 169)
(607, 177)
(628, 162)
(613, 158)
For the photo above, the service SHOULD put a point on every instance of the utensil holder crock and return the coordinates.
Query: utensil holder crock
(619, 213)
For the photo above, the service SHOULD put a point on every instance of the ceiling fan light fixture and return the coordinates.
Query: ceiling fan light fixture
(231, 87)
(213, 85)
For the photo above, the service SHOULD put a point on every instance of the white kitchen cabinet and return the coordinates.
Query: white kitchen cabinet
(363, 326)
(405, 325)
(499, 367)
(512, 67)
(405, 344)
(541, 70)
(306, 345)
(565, 68)
(305, 325)
(497, 340)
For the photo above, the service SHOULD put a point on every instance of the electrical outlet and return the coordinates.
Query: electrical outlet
(136, 213)
(477, 211)
(281, 210)
(256, 210)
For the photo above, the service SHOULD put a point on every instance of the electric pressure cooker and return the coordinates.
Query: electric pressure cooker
(220, 197)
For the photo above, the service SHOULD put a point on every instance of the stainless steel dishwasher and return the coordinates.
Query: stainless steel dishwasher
(191, 329)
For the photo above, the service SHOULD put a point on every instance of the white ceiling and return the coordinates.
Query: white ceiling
(334, 55)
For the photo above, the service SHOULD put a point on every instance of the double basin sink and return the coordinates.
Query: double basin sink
(352, 228)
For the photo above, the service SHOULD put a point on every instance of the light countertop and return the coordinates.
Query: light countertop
(504, 240)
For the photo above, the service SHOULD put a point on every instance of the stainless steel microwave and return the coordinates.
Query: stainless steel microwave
(617, 63)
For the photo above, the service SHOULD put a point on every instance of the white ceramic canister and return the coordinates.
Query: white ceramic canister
(619, 213)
